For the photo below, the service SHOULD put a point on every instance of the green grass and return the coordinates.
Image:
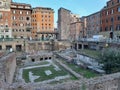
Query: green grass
(64, 80)
(91, 53)
(84, 72)
(40, 72)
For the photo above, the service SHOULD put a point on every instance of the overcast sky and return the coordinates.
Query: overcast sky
(81, 7)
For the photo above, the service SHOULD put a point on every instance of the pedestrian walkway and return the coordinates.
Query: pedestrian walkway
(69, 69)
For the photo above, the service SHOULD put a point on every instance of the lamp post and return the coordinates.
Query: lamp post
(23, 45)
(112, 29)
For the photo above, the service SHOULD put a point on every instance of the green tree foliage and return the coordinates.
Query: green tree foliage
(110, 58)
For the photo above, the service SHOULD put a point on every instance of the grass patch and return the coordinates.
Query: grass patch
(84, 72)
(40, 72)
(91, 53)
(64, 80)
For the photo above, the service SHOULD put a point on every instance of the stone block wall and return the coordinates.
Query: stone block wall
(7, 68)
(107, 82)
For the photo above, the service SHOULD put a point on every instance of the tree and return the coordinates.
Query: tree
(110, 58)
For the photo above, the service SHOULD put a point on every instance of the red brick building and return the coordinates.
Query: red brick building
(21, 20)
(110, 19)
(5, 19)
(93, 24)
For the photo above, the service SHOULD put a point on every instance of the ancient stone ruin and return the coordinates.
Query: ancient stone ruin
(7, 82)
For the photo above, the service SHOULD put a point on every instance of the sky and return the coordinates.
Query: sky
(81, 7)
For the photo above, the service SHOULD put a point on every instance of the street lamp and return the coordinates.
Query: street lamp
(112, 36)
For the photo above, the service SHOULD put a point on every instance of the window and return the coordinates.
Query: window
(112, 3)
(14, 17)
(107, 13)
(7, 36)
(33, 60)
(27, 18)
(14, 24)
(21, 18)
(118, 27)
(6, 30)
(112, 11)
(27, 12)
(21, 24)
(20, 12)
(28, 30)
(112, 19)
(6, 25)
(0, 47)
(119, 9)
(106, 28)
(0, 3)
(106, 20)
(1, 15)
(14, 12)
(27, 24)
(118, 18)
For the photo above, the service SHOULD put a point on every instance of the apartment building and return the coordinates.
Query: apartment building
(21, 20)
(110, 19)
(93, 24)
(43, 23)
(5, 19)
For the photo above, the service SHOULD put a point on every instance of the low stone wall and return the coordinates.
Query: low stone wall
(38, 56)
(7, 68)
(11, 67)
(33, 46)
(108, 82)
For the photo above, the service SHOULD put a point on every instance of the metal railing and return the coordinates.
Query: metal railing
(108, 40)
